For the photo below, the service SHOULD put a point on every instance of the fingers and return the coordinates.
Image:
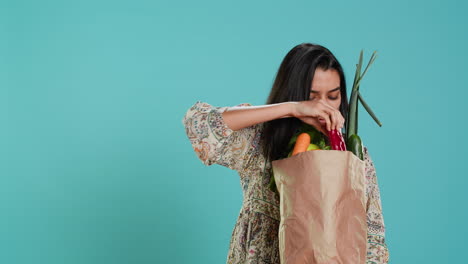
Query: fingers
(330, 119)
(328, 115)
(339, 120)
(319, 109)
(335, 117)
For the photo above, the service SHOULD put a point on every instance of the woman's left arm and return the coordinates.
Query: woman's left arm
(377, 250)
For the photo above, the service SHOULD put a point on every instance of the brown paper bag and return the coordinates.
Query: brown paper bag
(322, 206)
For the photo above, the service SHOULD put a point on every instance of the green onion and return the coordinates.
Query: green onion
(353, 141)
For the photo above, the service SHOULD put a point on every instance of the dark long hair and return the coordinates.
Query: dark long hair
(292, 83)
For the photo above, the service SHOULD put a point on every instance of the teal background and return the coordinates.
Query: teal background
(95, 164)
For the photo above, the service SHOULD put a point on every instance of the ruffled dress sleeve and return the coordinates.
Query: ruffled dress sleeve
(377, 250)
(213, 141)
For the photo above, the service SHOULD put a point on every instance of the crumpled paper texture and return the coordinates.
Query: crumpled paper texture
(322, 206)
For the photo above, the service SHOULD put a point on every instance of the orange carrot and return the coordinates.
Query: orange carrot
(302, 143)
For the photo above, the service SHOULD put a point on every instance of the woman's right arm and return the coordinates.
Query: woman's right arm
(222, 135)
(214, 141)
(240, 117)
(307, 111)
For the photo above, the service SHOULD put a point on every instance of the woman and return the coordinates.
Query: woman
(309, 87)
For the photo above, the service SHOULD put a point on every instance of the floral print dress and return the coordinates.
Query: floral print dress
(254, 238)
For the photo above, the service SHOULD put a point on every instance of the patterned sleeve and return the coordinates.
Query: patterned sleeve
(213, 141)
(377, 250)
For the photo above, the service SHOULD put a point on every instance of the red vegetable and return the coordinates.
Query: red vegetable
(336, 140)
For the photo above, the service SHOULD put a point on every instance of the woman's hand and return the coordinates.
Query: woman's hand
(319, 114)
